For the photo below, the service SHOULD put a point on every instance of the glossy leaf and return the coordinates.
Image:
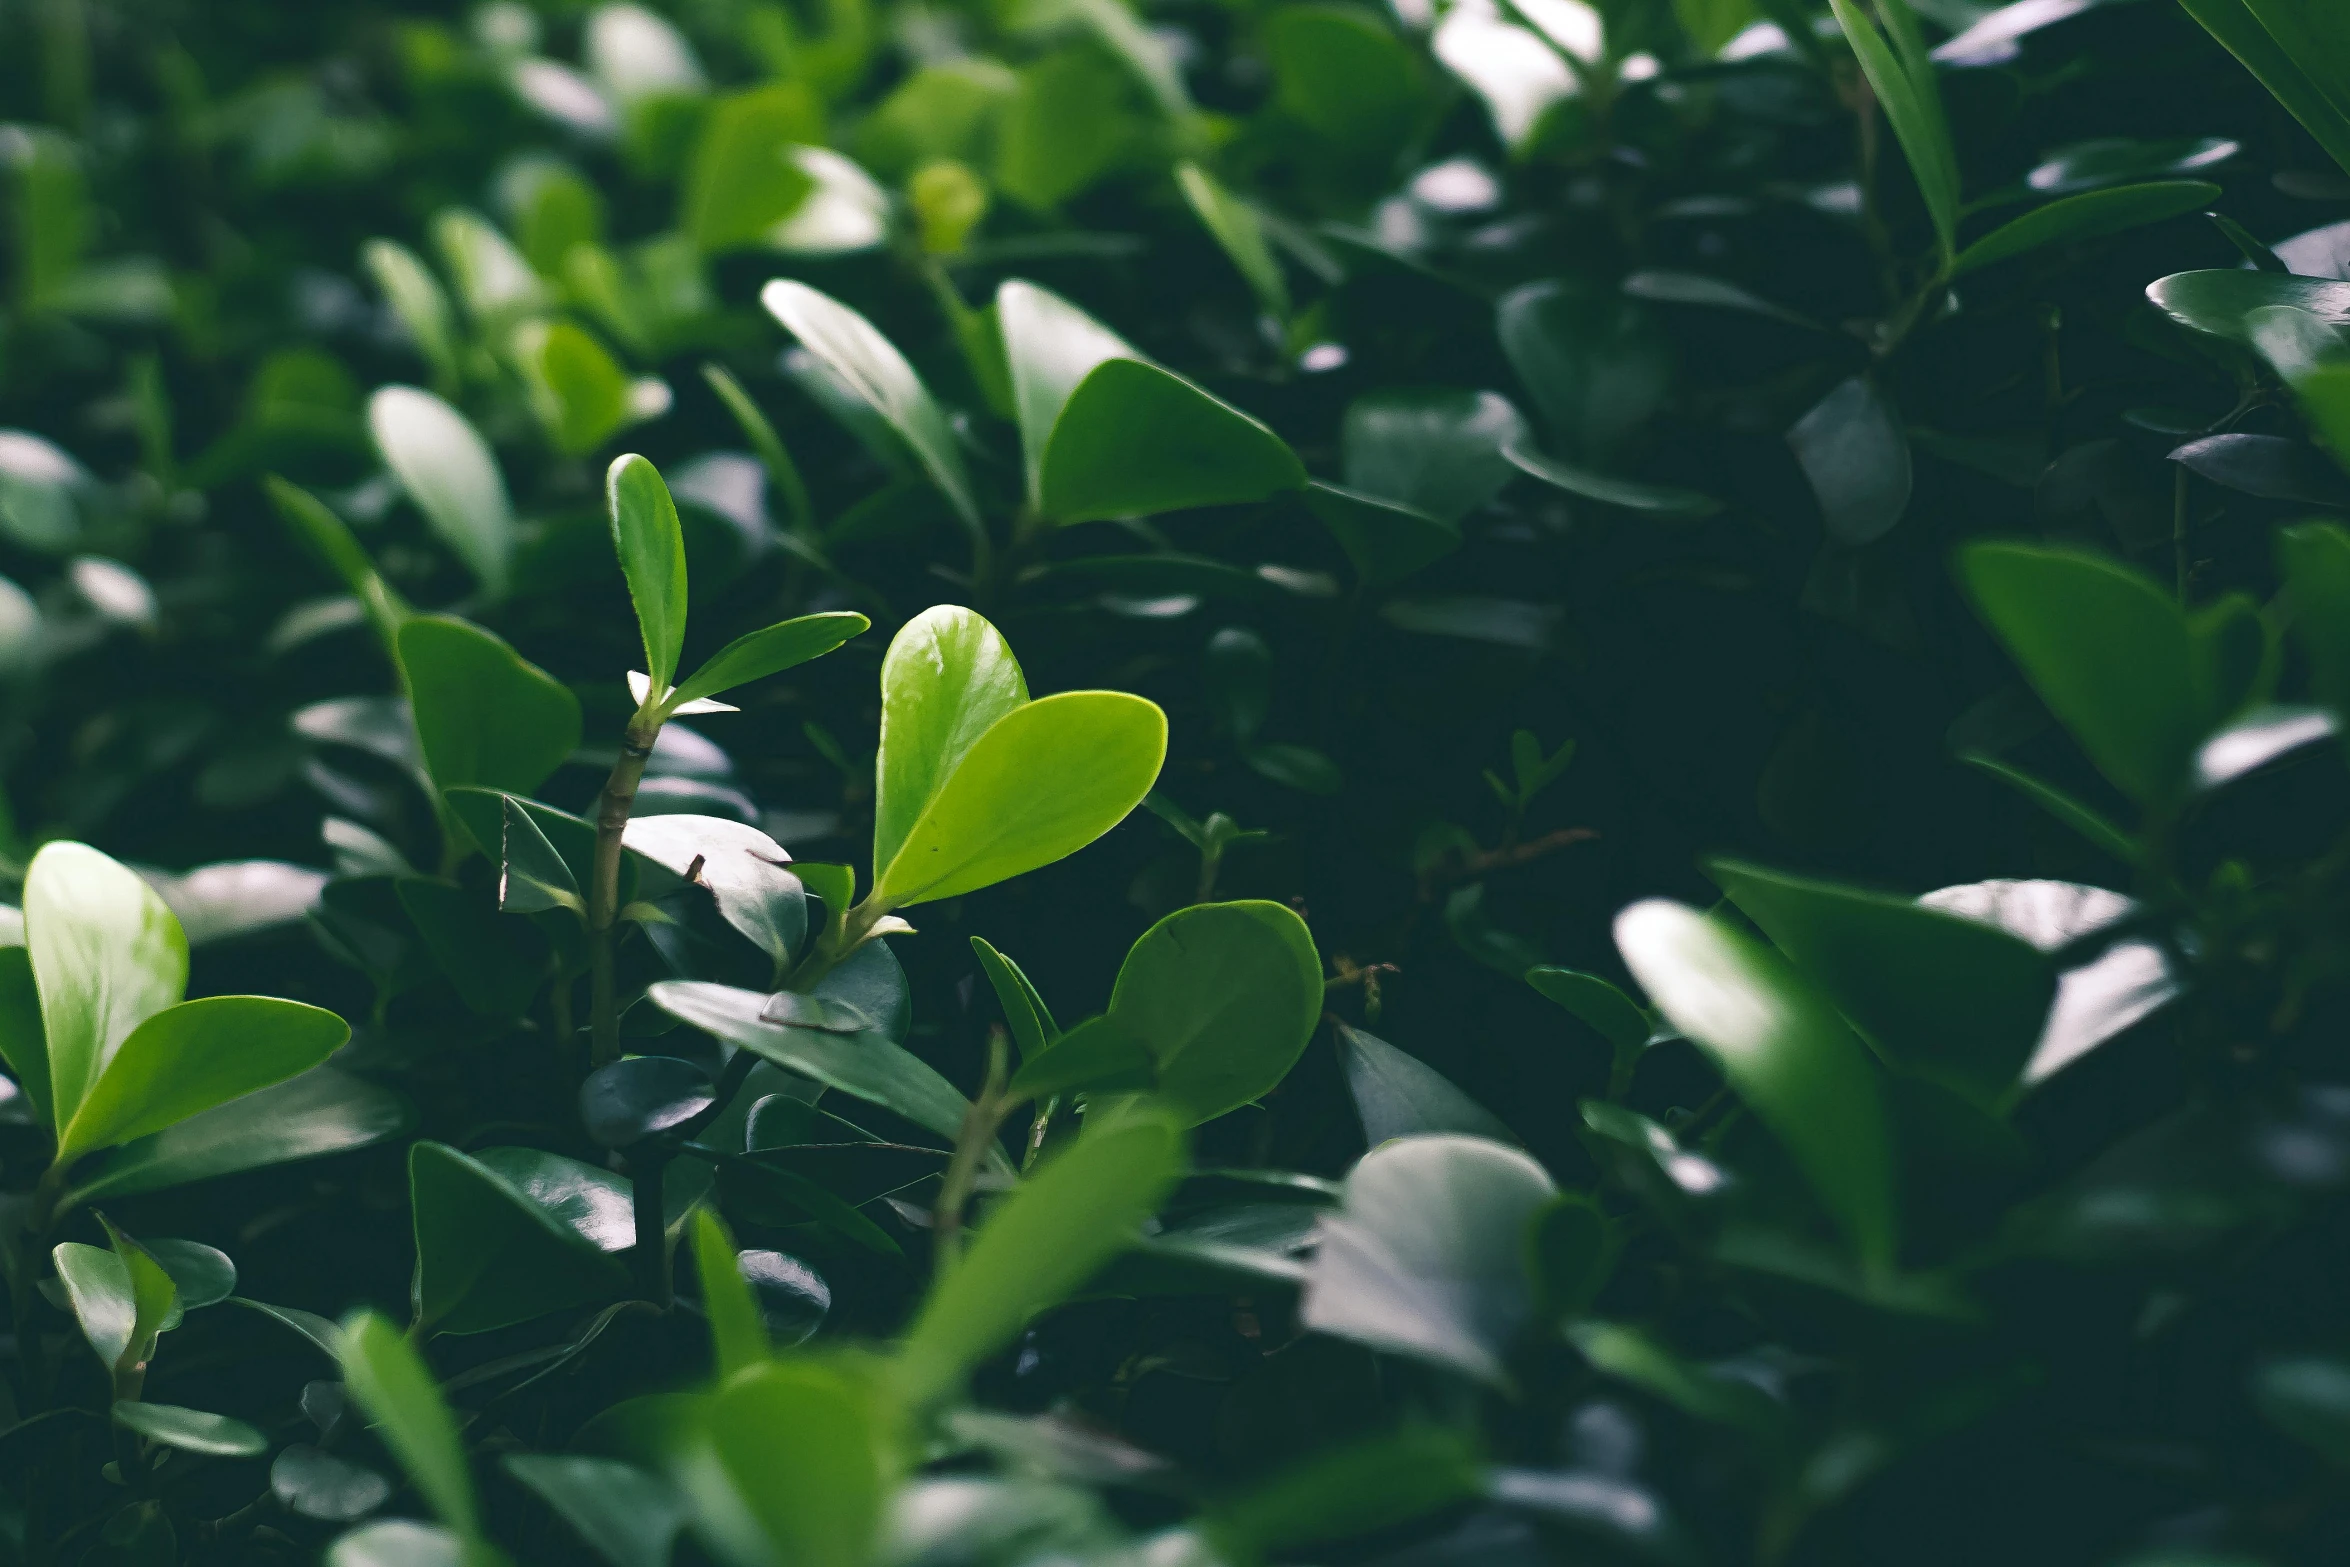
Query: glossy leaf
(741, 185)
(191, 1430)
(315, 1484)
(1031, 1023)
(394, 1386)
(634, 1098)
(1386, 542)
(447, 470)
(876, 372)
(745, 871)
(1098, 1056)
(321, 1112)
(497, 1246)
(1654, 500)
(121, 1298)
(1426, 1254)
(485, 715)
(769, 651)
(1436, 451)
(189, 1058)
(948, 677)
(1398, 1095)
(577, 389)
(1085, 398)
(1224, 997)
(532, 876)
(416, 297)
(807, 1450)
(1038, 1246)
(107, 955)
(1596, 1002)
(651, 546)
(629, 1517)
(399, 1542)
(1785, 1051)
(2222, 303)
(22, 1044)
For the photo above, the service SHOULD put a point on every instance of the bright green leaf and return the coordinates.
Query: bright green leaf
(485, 715)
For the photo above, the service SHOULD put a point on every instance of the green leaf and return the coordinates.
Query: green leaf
(447, 470)
(635, 1097)
(738, 1335)
(1853, 448)
(329, 537)
(1385, 541)
(1224, 996)
(948, 677)
(1570, 1251)
(482, 813)
(1913, 107)
(394, 1386)
(1654, 500)
(809, 1453)
(629, 1517)
(651, 546)
(315, 1484)
(2222, 303)
(1347, 1492)
(755, 655)
(1096, 1057)
(1596, 1002)
(2090, 215)
(121, 1297)
(106, 955)
(1946, 998)
(1784, 1050)
(2080, 818)
(401, 1542)
(855, 352)
(2108, 651)
(2315, 560)
(1436, 450)
(1237, 228)
(191, 1057)
(22, 1044)
(2278, 42)
(1398, 1095)
(782, 472)
(1593, 361)
(1105, 433)
(1041, 1243)
(320, 1112)
(484, 714)
(741, 183)
(203, 1275)
(577, 389)
(863, 1064)
(2308, 1398)
(1631, 1355)
(191, 1430)
(1426, 1255)
(532, 877)
(416, 297)
(492, 277)
(1340, 71)
(501, 1245)
(1044, 781)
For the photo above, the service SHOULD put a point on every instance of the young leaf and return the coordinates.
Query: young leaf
(193, 1056)
(629, 1516)
(809, 1452)
(870, 364)
(739, 186)
(1098, 1056)
(1913, 106)
(1426, 1254)
(651, 547)
(121, 1297)
(395, 1387)
(1224, 997)
(447, 470)
(1031, 1023)
(1044, 1241)
(1785, 1051)
(782, 472)
(106, 954)
(758, 654)
(1043, 782)
(484, 715)
(948, 677)
(738, 1336)
(1106, 433)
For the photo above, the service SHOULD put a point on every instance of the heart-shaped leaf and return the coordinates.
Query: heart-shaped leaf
(447, 470)
(1042, 1242)
(1426, 1254)
(1107, 433)
(484, 715)
(1784, 1050)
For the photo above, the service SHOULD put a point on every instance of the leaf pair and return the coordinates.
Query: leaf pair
(1104, 432)
(92, 1024)
(651, 545)
(975, 782)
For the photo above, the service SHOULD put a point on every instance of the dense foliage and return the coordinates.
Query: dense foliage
(1195, 783)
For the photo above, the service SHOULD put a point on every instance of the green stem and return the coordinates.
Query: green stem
(612, 808)
(980, 1124)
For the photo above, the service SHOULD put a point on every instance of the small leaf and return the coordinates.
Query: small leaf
(192, 1430)
(755, 655)
(400, 1542)
(809, 1455)
(876, 372)
(651, 547)
(485, 716)
(1598, 1003)
(331, 539)
(738, 1335)
(2222, 303)
(1032, 1025)
(1913, 106)
(1041, 1243)
(416, 297)
(2090, 215)
(622, 1104)
(1386, 541)
(447, 470)
(1096, 1057)
(393, 1385)
(1426, 1253)
(740, 184)
(745, 871)
(1785, 1051)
